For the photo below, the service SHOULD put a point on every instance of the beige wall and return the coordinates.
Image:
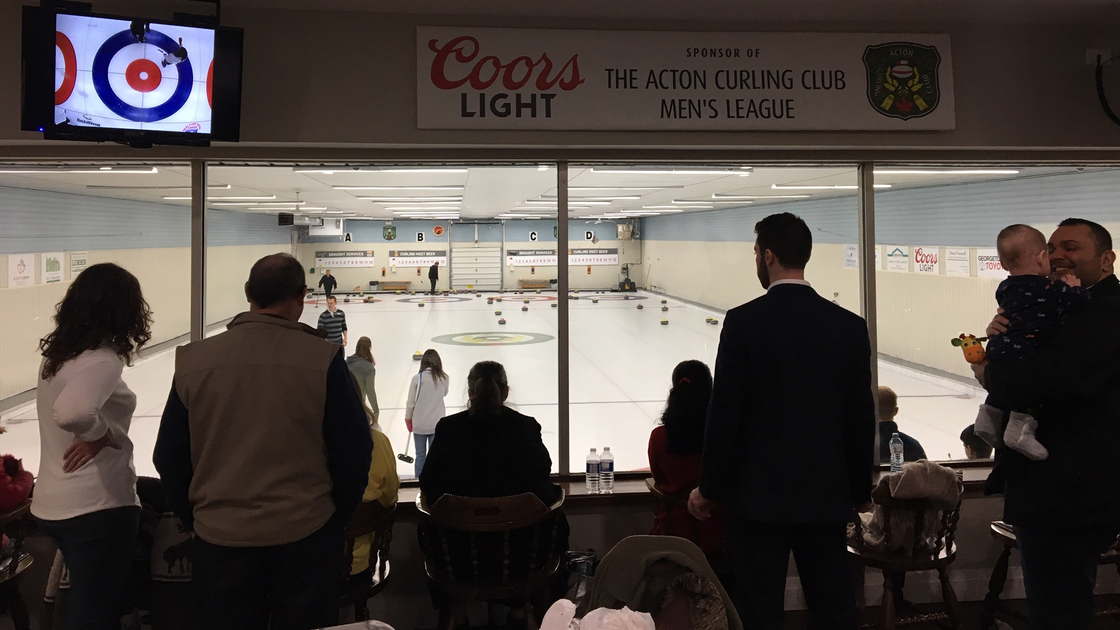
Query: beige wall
(602, 277)
(350, 278)
(164, 275)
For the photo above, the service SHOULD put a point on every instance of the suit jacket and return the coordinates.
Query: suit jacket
(487, 456)
(791, 425)
(1072, 386)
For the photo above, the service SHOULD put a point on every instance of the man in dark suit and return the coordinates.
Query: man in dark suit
(1066, 509)
(790, 439)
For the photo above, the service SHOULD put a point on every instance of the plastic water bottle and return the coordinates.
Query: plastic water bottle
(606, 471)
(896, 453)
(593, 472)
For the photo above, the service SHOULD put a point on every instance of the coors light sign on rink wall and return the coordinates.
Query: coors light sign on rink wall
(484, 78)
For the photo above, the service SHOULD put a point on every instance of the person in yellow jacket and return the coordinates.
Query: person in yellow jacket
(382, 486)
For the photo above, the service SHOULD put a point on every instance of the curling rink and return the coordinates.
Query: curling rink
(622, 359)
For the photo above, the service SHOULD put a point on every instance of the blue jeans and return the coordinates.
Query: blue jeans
(1060, 572)
(423, 442)
(98, 548)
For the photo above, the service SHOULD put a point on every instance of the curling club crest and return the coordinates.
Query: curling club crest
(902, 79)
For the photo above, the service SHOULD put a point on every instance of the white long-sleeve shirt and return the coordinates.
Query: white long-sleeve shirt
(85, 399)
(427, 408)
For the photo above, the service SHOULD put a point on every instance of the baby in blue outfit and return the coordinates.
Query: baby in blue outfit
(1035, 305)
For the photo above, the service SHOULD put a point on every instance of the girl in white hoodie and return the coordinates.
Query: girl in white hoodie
(425, 404)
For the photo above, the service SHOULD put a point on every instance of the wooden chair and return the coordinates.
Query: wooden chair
(895, 565)
(15, 523)
(1005, 535)
(488, 549)
(665, 503)
(370, 519)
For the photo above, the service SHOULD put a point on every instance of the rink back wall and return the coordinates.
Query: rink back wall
(150, 240)
(708, 257)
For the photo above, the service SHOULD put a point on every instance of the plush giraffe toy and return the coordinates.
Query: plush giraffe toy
(972, 346)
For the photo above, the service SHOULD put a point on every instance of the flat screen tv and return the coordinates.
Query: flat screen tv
(105, 78)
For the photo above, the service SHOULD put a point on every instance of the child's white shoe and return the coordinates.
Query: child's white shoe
(1020, 436)
(989, 425)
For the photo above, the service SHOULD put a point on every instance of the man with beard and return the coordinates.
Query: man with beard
(1066, 509)
(790, 438)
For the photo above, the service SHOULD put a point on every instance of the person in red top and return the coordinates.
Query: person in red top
(675, 453)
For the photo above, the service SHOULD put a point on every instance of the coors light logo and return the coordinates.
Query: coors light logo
(457, 63)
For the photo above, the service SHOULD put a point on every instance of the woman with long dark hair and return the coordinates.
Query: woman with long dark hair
(85, 497)
(676, 450)
(425, 405)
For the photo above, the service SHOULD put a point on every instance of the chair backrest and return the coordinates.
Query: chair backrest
(372, 519)
(946, 525)
(501, 540)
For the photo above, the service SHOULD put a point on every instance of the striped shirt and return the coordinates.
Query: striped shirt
(334, 324)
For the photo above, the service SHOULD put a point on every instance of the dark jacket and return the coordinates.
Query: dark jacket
(791, 424)
(433, 272)
(1071, 384)
(912, 451)
(487, 456)
(328, 283)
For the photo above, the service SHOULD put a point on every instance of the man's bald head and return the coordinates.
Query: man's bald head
(275, 279)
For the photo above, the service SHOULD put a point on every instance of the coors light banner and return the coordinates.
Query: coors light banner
(484, 78)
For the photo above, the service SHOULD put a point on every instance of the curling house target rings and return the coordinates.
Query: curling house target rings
(100, 76)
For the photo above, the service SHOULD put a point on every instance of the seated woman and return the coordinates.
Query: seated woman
(382, 486)
(675, 452)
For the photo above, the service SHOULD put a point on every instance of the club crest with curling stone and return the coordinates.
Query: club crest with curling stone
(902, 79)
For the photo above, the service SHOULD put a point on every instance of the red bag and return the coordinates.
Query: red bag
(15, 482)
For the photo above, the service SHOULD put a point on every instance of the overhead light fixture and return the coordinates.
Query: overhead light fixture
(256, 203)
(421, 208)
(331, 170)
(745, 197)
(447, 188)
(246, 198)
(446, 198)
(844, 187)
(592, 198)
(677, 208)
(300, 208)
(957, 171)
(114, 187)
(424, 170)
(581, 202)
(686, 203)
(122, 170)
(741, 172)
(542, 167)
(621, 187)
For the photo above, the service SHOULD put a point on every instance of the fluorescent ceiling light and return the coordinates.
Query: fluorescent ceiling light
(448, 188)
(960, 171)
(257, 198)
(542, 167)
(853, 187)
(621, 187)
(256, 203)
(722, 196)
(711, 202)
(123, 170)
(741, 172)
(591, 198)
(678, 208)
(282, 209)
(420, 208)
(447, 198)
(423, 170)
(107, 187)
(580, 202)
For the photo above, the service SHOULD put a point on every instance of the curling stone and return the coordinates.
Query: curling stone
(640, 307)
(524, 308)
(555, 305)
(346, 300)
(714, 321)
(664, 308)
(421, 305)
(538, 291)
(478, 295)
(594, 300)
(664, 301)
(526, 300)
(502, 321)
(416, 356)
(664, 322)
(497, 312)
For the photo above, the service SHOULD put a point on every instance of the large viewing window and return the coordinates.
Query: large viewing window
(645, 243)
